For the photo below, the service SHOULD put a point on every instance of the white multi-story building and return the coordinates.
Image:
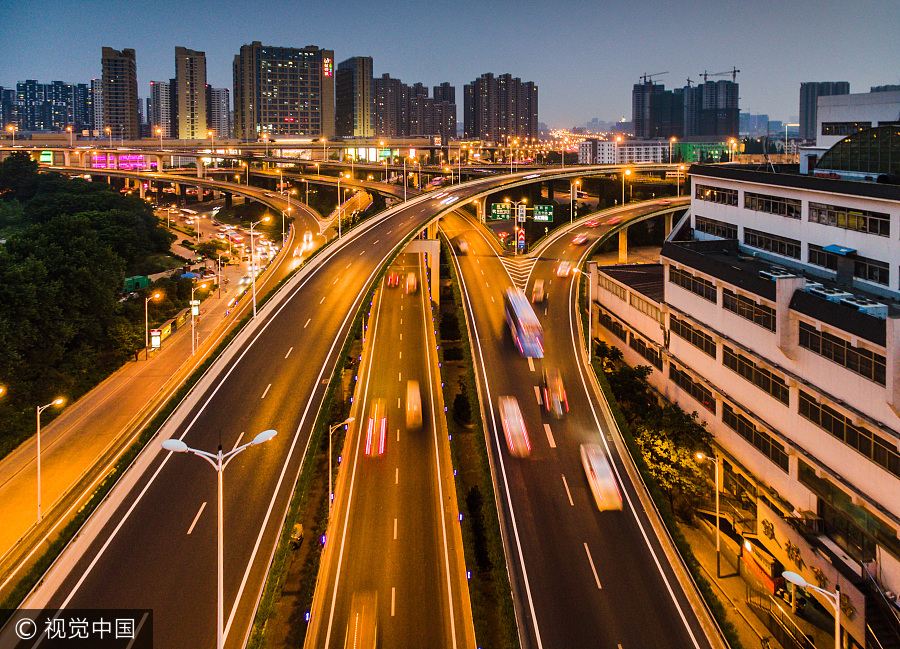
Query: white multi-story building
(776, 320)
(161, 103)
(593, 151)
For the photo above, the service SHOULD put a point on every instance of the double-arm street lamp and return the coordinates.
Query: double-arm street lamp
(253, 260)
(715, 459)
(40, 409)
(330, 433)
(833, 598)
(195, 310)
(155, 296)
(627, 172)
(218, 461)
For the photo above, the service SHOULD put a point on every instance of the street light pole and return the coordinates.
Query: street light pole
(155, 296)
(253, 260)
(193, 335)
(715, 458)
(627, 172)
(218, 461)
(678, 178)
(833, 598)
(40, 409)
(573, 190)
(330, 433)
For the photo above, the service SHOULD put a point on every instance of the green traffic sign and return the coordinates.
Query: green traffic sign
(543, 213)
(501, 211)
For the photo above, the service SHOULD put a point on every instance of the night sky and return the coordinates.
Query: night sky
(584, 56)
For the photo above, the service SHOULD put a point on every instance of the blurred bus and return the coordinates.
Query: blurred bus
(514, 427)
(413, 406)
(362, 627)
(600, 477)
(523, 324)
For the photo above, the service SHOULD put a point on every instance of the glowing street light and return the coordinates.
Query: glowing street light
(155, 296)
(253, 260)
(40, 409)
(12, 129)
(627, 172)
(833, 598)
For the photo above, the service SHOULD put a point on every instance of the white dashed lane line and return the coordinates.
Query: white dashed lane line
(550, 436)
(289, 352)
(568, 493)
(593, 569)
(266, 391)
(197, 517)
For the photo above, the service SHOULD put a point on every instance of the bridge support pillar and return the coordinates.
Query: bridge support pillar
(200, 168)
(668, 218)
(228, 197)
(431, 230)
(115, 160)
(67, 158)
(550, 190)
(159, 164)
(142, 188)
(623, 246)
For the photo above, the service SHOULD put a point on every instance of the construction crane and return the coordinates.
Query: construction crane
(645, 78)
(689, 82)
(733, 72)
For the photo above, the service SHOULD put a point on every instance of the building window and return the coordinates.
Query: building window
(702, 287)
(648, 352)
(844, 128)
(862, 361)
(851, 219)
(762, 378)
(763, 442)
(616, 289)
(613, 325)
(788, 207)
(684, 381)
(772, 243)
(871, 270)
(717, 195)
(716, 228)
(697, 338)
(645, 307)
(749, 309)
(818, 256)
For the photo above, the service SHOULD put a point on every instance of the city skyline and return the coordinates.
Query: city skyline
(584, 58)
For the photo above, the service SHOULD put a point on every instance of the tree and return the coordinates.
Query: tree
(15, 171)
(674, 468)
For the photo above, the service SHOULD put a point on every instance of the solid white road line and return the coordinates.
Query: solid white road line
(266, 391)
(549, 436)
(393, 594)
(289, 352)
(197, 517)
(593, 569)
(568, 493)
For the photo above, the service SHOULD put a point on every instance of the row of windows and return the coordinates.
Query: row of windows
(851, 219)
(716, 228)
(789, 207)
(616, 289)
(645, 307)
(856, 359)
(772, 243)
(648, 352)
(702, 287)
(871, 270)
(844, 128)
(717, 195)
(818, 256)
(757, 313)
(873, 446)
(697, 338)
(763, 442)
(613, 325)
(684, 380)
(762, 378)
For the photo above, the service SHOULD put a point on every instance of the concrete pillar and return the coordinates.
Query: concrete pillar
(200, 168)
(892, 353)
(142, 189)
(623, 246)
(668, 218)
(550, 189)
(115, 160)
(159, 164)
(787, 327)
(228, 197)
(66, 157)
(431, 230)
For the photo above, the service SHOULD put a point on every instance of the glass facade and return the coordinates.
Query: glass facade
(874, 151)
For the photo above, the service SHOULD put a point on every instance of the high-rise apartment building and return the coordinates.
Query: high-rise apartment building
(83, 109)
(354, 98)
(218, 112)
(445, 111)
(283, 91)
(810, 91)
(499, 108)
(160, 102)
(97, 105)
(402, 110)
(8, 113)
(120, 95)
(657, 112)
(391, 107)
(190, 94)
(711, 110)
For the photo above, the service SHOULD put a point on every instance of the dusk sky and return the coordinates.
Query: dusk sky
(584, 56)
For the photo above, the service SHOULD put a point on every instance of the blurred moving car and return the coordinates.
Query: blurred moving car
(600, 477)
(307, 238)
(564, 269)
(537, 293)
(579, 239)
(393, 279)
(555, 400)
(514, 427)
(593, 223)
(376, 431)
(463, 248)
(412, 284)
(413, 406)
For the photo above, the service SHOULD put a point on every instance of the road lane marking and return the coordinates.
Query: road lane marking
(549, 436)
(593, 569)
(240, 437)
(395, 529)
(289, 352)
(266, 391)
(401, 336)
(492, 298)
(197, 517)
(568, 493)
(393, 593)
(376, 241)
(401, 354)
(397, 475)
(361, 254)
(537, 395)
(482, 271)
(322, 300)
(348, 265)
(531, 363)
(398, 434)
(399, 376)
(308, 321)
(335, 280)
(398, 402)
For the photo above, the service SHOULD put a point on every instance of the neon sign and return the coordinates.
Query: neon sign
(328, 67)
